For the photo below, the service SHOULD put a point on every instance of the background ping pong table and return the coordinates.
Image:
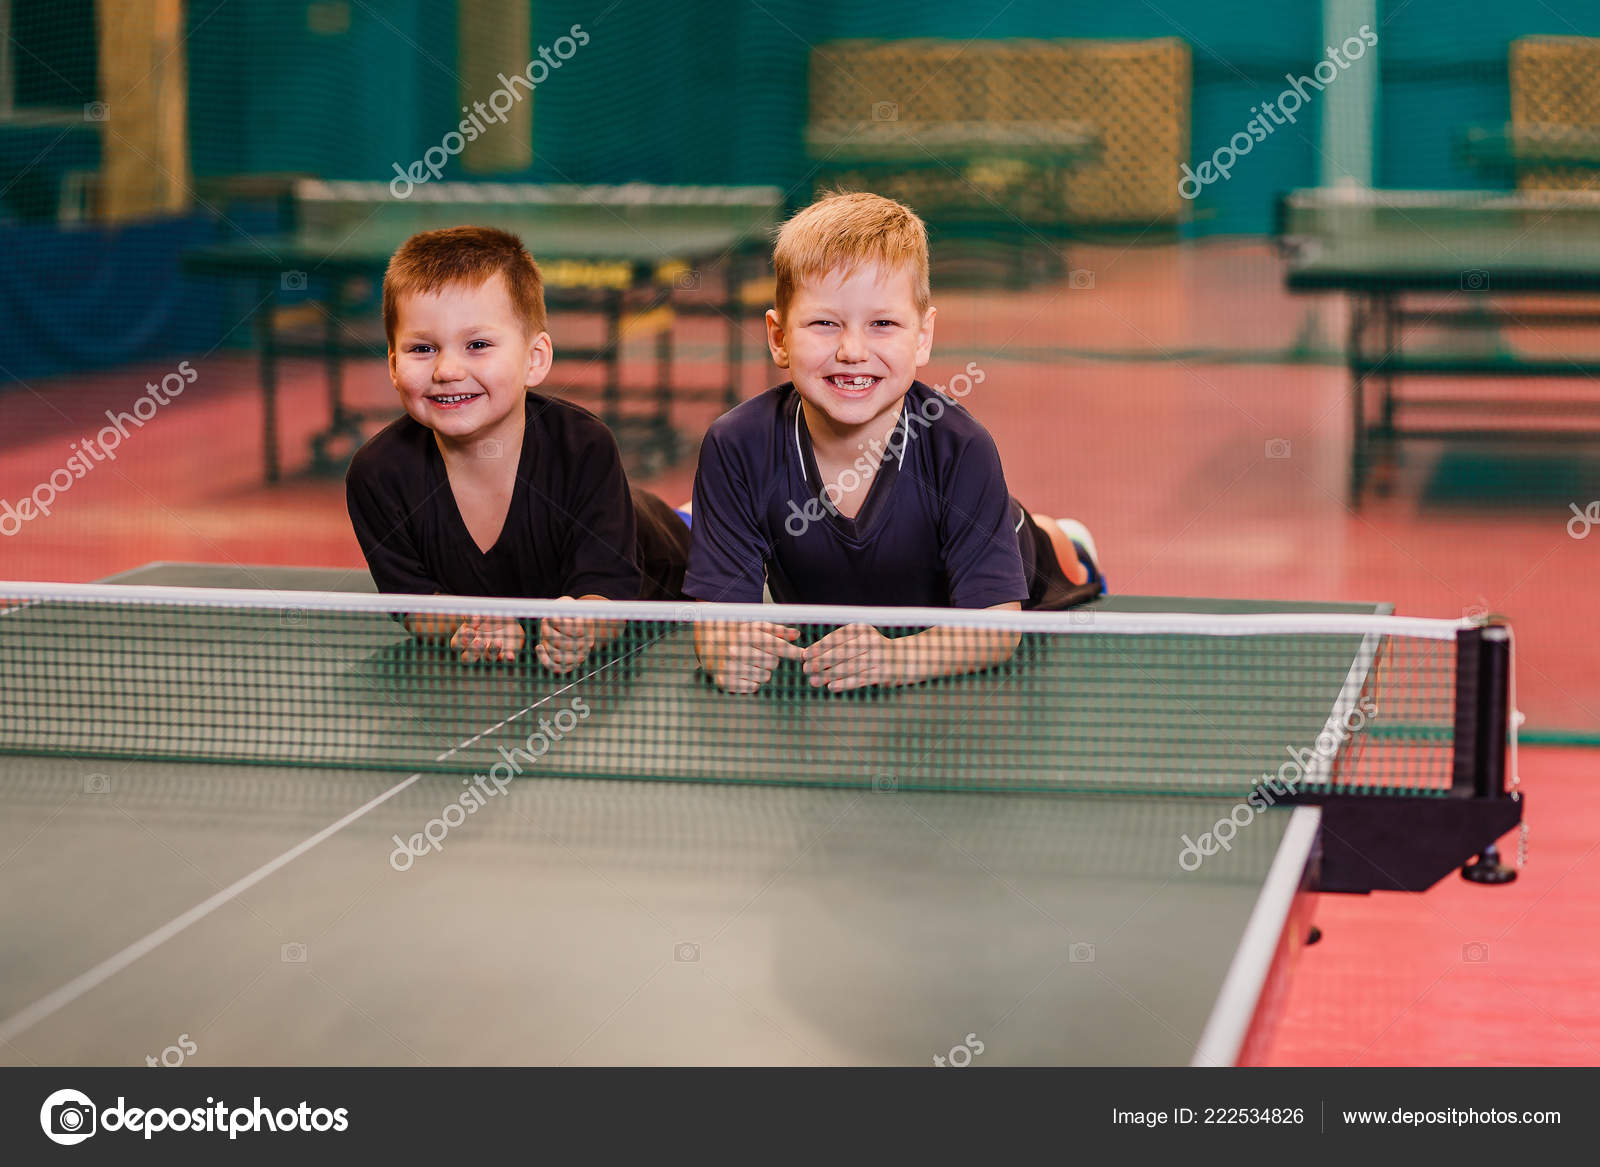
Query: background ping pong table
(623, 252)
(1449, 260)
(585, 921)
(1522, 151)
(999, 168)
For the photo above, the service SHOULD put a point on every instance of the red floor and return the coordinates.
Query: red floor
(1201, 474)
(1467, 975)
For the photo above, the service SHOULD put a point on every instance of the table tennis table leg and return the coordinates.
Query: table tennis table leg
(267, 365)
(332, 358)
(1355, 357)
(611, 391)
(1389, 308)
(733, 310)
(663, 437)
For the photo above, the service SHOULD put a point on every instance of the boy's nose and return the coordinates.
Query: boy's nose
(852, 347)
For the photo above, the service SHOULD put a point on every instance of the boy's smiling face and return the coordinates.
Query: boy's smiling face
(853, 342)
(462, 360)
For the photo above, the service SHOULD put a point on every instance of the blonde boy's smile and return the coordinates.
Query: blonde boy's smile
(853, 385)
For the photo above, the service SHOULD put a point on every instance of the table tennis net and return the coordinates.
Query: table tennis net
(1088, 700)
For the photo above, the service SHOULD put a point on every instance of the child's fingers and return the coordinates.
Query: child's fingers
(840, 644)
(777, 640)
(848, 672)
(854, 679)
(560, 660)
(569, 643)
(556, 662)
(836, 656)
(734, 682)
(745, 677)
(471, 643)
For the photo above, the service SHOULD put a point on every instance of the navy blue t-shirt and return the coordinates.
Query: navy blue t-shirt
(938, 527)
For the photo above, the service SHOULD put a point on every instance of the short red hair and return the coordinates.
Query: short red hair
(842, 231)
(433, 260)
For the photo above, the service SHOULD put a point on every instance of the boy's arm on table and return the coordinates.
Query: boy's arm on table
(728, 555)
(740, 656)
(564, 641)
(858, 654)
(397, 567)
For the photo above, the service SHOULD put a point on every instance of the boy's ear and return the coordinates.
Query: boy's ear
(925, 337)
(776, 340)
(541, 355)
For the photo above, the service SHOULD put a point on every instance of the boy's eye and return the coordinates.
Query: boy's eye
(420, 348)
(884, 323)
(476, 343)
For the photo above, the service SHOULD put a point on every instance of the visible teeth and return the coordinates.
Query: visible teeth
(854, 382)
(456, 398)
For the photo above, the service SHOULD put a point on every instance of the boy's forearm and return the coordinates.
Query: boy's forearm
(431, 625)
(605, 631)
(950, 652)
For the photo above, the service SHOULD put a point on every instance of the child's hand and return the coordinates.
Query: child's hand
(488, 638)
(852, 657)
(565, 642)
(741, 656)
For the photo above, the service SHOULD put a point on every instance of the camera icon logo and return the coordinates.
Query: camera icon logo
(1278, 448)
(885, 111)
(685, 953)
(1080, 279)
(1081, 953)
(293, 953)
(491, 448)
(885, 783)
(97, 784)
(1082, 616)
(1475, 953)
(1477, 613)
(687, 281)
(67, 1117)
(293, 281)
(96, 111)
(1475, 281)
(292, 617)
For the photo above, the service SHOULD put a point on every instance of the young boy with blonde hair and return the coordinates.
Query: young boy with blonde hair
(486, 488)
(855, 483)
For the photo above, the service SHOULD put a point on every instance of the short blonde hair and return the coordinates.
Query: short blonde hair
(433, 260)
(841, 231)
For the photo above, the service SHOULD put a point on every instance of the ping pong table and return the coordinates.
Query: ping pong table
(1449, 260)
(1012, 177)
(631, 252)
(277, 914)
(1529, 151)
(1012, 155)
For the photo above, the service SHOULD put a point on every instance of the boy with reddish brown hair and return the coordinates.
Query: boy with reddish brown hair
(855, 483)
(486, 488)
